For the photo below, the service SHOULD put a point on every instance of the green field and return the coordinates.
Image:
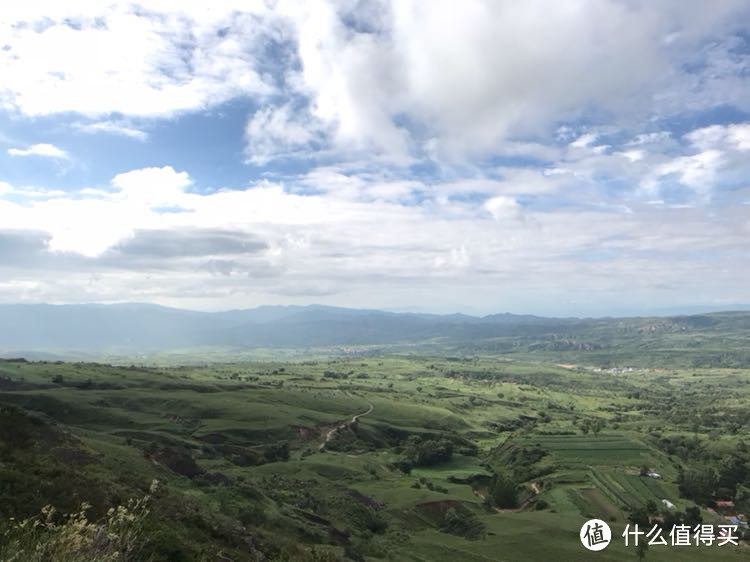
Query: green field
(261, 461)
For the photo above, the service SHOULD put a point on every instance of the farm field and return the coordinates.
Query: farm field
(472, 458)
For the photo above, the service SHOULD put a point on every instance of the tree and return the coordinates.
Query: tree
(639, 516)
(671, 518)
(733, 470)
(427, 452)
(698, 484)
(504, 491)
(597, 426)
(693, 516)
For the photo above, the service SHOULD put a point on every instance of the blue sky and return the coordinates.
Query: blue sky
(578, 158)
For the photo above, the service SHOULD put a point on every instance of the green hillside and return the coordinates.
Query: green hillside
(447, 458)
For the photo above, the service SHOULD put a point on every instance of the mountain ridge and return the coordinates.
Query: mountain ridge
(148, 327)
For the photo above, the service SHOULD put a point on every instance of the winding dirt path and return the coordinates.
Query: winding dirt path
(344, 425)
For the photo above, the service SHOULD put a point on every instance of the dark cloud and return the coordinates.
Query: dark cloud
(187, 243)
(147, 250)
(22, 247)
(222, 267)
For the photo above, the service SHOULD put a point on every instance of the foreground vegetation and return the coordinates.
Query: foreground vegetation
(365, 458)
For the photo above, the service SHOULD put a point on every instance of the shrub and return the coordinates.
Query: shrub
(465, 524)
(427, 452)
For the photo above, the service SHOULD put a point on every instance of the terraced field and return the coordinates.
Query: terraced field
(593, 450)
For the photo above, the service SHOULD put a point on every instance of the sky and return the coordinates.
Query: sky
(586, 157)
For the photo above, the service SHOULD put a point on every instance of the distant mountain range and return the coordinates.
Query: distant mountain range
(129, 328)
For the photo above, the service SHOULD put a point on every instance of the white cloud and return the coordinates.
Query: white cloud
(151, 61)
(112, 127)
(698, 171)
(718, 157)
(91, 221)
(633, 155)
(152, 186)
(731, 137)
(471, 78)
(400, 79)
(348, 77)
(502, 207)
(584, 140)
(276, 131)
(739, 135)
(650, 138)
(359, 86)
(455, 259)
(371, 251)
(41, 149)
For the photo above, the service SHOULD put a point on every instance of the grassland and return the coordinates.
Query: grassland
(247, 472)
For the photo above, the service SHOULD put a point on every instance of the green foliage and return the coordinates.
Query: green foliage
(104, 431)
(733, 470)
(639, 516)
(278, 451)
(118, 536)
(504, 491)
(427, 452)
(521, 461)
(698, 484)
(463, 523)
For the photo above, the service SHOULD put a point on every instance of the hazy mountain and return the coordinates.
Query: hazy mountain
(143, 327)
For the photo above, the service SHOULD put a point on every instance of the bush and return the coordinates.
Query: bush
(404, 466)
(465, 524)
(427, 452)
(278, 451)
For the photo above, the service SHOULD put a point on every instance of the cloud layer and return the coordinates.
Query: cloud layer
(580, 157)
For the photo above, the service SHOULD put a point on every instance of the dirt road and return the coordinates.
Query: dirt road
(344, 425)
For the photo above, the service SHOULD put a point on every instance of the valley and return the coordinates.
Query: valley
(377, 457)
